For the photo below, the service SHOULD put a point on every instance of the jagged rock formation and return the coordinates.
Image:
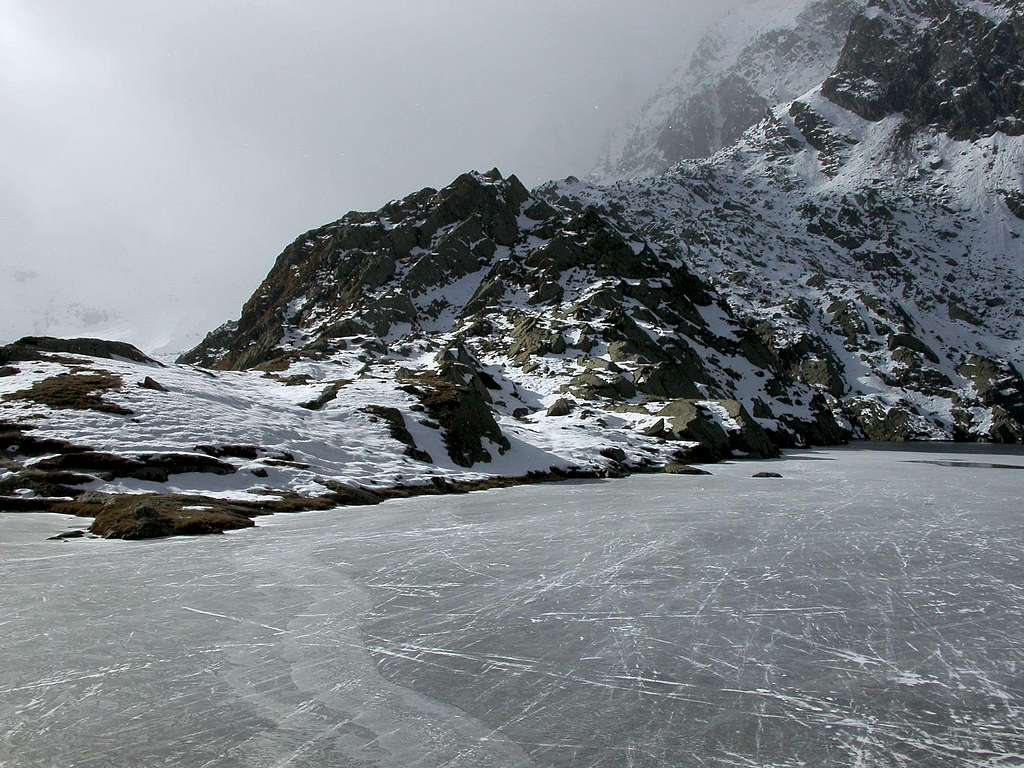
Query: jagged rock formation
(762, 53)
(546, 298)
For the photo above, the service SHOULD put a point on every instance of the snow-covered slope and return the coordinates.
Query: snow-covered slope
(760, 54)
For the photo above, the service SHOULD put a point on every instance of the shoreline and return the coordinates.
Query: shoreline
(155, 515)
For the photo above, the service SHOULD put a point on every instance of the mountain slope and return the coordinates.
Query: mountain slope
(875, 222)
(852, 266)
(758, 55)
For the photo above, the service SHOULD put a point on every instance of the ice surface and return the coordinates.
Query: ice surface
(865, 610)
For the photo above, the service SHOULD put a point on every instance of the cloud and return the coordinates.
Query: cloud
(159, 155)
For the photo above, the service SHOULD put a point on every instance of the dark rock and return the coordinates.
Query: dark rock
(110, 350)
(399, 431)
(591, 384)
(67, 535)
(881, 422)
(1015, 202)
(767, 475)
(349, 495)
(692, 423)
(561, 407)
(751, 438)
(615, 454)
(151, 383)
(683, 469)
(671, 380)
(155, 467)
(231, 450)
(329, 393)
(463, 414)
(7, 370)
(259, 472)
(15, 439)
(937, 62)
(45, 483)
(530, 338)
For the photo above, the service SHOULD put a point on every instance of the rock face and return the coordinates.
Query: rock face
(953, 65)
(870, 229)
(762, 53)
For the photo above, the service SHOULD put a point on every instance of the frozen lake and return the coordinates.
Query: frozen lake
(866, 610)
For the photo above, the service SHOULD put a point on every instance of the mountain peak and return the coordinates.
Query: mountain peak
(760, 54)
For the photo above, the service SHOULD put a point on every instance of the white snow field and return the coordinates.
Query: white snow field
(867, 610)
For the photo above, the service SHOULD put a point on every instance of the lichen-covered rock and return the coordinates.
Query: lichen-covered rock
(683, 469)
(689, 421)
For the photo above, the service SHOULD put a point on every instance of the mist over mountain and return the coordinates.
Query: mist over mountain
(158, 155)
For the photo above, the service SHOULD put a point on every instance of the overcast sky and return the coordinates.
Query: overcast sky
(157, 156)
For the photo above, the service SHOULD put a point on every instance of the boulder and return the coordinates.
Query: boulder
(561, 407)
(670, 380)
(590, 385)
(692, 423)
(751, 438)
(152, 384)
(614, 453)
(683, 469)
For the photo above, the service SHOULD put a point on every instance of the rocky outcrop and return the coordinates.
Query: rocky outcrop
(29, 348)
(362, 275)
(955, 65)
(462, 414)
(155, 467)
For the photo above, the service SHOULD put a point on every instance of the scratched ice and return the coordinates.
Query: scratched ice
(866, 610)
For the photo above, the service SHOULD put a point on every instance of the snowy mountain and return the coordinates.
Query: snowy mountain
(851, 266)
(758, 55)
(871, 229)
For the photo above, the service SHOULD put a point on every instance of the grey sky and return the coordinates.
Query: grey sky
(158, 155)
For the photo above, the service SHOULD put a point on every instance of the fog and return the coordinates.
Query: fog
(158, 156)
